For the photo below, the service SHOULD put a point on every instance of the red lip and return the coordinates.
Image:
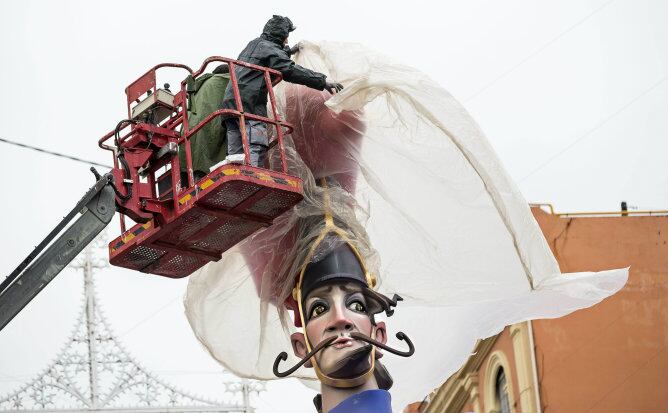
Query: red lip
(342, 342)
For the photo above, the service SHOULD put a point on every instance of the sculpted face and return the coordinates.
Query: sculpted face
(336, 310)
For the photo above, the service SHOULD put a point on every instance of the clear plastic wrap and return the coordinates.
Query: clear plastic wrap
(421, 193)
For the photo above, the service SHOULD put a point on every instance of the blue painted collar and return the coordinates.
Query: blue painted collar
(368, 401)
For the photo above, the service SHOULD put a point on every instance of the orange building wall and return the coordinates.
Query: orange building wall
(612, 357)
(468, 408)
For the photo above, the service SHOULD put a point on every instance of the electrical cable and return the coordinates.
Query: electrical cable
(628, 377)
(150, 316)
(539, 50)
(48, 152)
(120, 125)
(127, 181)
(599, 125)
(121, 158)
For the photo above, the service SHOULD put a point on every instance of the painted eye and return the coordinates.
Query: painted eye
(317, 310)
(357, 306)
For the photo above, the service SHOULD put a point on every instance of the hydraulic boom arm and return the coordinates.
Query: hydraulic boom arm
(97, 207)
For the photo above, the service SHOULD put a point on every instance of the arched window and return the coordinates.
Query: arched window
(502, 392)
(498, 388)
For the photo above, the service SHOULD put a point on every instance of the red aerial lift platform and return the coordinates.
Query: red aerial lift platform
(179, 225)
(175, 235)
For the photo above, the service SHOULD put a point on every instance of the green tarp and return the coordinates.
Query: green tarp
(209, 144)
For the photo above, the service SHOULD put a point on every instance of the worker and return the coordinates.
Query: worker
(268, 50)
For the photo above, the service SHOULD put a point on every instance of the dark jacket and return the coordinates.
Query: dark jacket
(267, 50)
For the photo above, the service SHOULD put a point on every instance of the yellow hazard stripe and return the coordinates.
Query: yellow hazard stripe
(206, 184)
(264, 177)
(129, 236)
(231, 171)
(185, 199)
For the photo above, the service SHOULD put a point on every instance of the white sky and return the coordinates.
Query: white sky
(571, 94)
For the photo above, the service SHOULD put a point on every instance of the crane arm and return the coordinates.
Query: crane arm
(97, 207)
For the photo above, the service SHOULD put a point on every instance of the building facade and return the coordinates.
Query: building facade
(612, 357)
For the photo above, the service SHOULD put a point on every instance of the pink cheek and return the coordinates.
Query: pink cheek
(361, 321)
(314, 330)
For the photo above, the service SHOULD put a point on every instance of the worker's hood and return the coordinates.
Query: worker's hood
(278, 29)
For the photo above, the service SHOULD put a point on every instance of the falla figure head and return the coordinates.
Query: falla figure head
(335, 304)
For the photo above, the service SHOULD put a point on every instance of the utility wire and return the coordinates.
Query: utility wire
(73, 158)
(537, 51)
(60, 155)
(150, 316)
(599, 125)
(628, 377)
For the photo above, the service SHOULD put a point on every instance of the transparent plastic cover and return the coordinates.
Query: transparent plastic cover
(417, 187)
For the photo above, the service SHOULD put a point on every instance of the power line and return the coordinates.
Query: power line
(537, 51)
(150, 316)
(600, 124)
(60, 155)
(629, 376)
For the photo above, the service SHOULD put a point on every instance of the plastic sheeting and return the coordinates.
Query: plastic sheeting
(437, 218)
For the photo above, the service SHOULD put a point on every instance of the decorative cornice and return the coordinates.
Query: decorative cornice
(480, 351)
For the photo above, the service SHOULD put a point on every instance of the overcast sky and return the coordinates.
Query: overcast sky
(571, 94)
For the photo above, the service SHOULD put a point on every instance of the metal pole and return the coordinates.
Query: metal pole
(90, 328)
(244, 389)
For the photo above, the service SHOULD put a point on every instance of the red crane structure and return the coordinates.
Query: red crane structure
(179, 226)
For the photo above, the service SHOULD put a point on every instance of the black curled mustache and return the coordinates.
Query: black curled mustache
(328, 341)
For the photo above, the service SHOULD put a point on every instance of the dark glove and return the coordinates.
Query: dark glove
(295, 48)
(292, 50)
(333, 87)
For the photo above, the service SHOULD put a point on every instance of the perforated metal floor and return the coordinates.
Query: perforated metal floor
(219, 213)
